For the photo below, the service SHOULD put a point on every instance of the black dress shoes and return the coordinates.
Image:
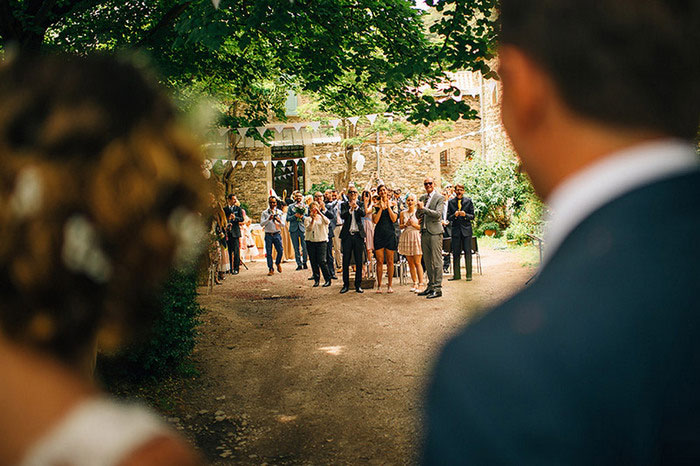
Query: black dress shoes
(454, 279)
(327, 284)
(434, 294)
(311, 278)
(315, 283)
(299, 267)
(235, 272)
(306, 266)
(425, 292)
(359, 290)
(344, 289)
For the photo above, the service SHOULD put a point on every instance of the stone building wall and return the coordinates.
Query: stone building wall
(399, 164)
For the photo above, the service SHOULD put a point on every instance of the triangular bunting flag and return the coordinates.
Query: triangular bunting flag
(243, 163)
(317, 157)
(371, 118)
(265, 162)
(223, 131)
(303, 159)
(253, 163)
(261, 130)
(279, 128)
(216, 3)
(243, 131)
(334, 123)
(297, 126)
(234, 163)
(315, 125)
(328, 156)
(296, 161)
(353, 120)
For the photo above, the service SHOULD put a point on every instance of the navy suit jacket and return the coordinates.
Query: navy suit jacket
(293, 222)
(235, 224)
(345, 215)
(598, 360)
(460, 224)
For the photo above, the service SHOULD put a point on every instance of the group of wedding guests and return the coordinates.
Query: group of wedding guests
(350, 229)
(231, 240)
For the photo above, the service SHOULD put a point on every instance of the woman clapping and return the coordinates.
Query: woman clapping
(316, 225)
(384, 217)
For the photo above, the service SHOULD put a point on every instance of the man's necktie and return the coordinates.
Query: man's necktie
(459, 204)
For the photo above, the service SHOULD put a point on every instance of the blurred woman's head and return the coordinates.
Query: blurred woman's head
(99, 193)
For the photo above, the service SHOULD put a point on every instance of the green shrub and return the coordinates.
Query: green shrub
(168, 346)
(498, 188)
(528, 219)
(320, 187)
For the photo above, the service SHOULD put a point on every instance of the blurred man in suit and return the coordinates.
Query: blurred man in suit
(596, 362)
(460, 213)
(429, 212)
(234, 215)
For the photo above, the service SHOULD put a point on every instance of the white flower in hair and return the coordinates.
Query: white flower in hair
(189, 229)
(26, 199)
(81, 251)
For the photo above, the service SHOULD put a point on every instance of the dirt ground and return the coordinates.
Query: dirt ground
(297, 375)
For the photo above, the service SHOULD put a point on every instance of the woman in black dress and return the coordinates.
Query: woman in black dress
(385, 242)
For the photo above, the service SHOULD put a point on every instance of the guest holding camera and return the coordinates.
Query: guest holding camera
(316, 225)
(272, 220)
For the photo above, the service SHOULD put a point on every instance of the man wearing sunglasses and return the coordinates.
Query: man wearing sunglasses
(429, 212)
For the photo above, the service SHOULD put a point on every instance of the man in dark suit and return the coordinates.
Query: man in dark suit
(460, 213)
(295, 221)
(330, 211)
(234, 215)
(352, 237)
(597, 361)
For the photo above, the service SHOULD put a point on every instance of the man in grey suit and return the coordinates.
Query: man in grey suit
(429, 212)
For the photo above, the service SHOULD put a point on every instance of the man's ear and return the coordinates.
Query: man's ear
(526, 91)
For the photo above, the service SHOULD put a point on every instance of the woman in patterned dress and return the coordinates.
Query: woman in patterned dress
(369, 228)
(409, 242)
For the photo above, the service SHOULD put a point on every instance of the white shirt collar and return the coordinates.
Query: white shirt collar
(621, 172)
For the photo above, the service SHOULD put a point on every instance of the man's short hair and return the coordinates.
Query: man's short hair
(458, 186)
(230, 196)
(628, 63)
(271, 198)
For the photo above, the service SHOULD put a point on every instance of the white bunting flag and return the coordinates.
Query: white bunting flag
(253, 163)
(334, 123)
(223, 131)
(315, 125)
(377, 149)
(243, 131)
(265, 162)
(317, 157)
(328, 156)
(261, 130)
(371, 118)
(297, 126)
(303, 159)
(243, 163)
(296, 161)
(216, 3)
(353, 120)
(441, 144)
(279, 128)
(234, 163)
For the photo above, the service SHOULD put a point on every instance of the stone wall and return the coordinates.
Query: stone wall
(400, 165)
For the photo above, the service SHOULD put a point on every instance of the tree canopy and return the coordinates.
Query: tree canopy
(249, 52)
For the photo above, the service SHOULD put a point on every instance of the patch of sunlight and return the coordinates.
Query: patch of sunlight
(334, 350)
(285, 418)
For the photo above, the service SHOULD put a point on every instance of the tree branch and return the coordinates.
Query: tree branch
(168, 18)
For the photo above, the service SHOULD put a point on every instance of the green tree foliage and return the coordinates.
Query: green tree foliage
(501, 192)
(250, 51)
(173, 336)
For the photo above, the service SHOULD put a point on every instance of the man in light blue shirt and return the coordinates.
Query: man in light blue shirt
(272, 220)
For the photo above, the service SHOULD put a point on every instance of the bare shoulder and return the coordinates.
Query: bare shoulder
(164, 450)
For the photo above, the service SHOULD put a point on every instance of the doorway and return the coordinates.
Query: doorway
(289, 175)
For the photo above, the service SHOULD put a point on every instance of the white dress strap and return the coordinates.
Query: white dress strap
(98, 432)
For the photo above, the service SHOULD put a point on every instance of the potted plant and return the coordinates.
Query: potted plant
(490, 228)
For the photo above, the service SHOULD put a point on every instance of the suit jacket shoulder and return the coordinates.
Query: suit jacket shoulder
(591, 361)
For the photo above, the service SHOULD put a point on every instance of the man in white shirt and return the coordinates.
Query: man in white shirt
(596, 361)
(272, 220)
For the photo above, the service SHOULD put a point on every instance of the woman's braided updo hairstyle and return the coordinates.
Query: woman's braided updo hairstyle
(99, 190)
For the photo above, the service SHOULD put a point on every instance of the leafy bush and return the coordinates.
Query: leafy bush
(169, 344)
(527, 220)
(322, 186)
(498, 189)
